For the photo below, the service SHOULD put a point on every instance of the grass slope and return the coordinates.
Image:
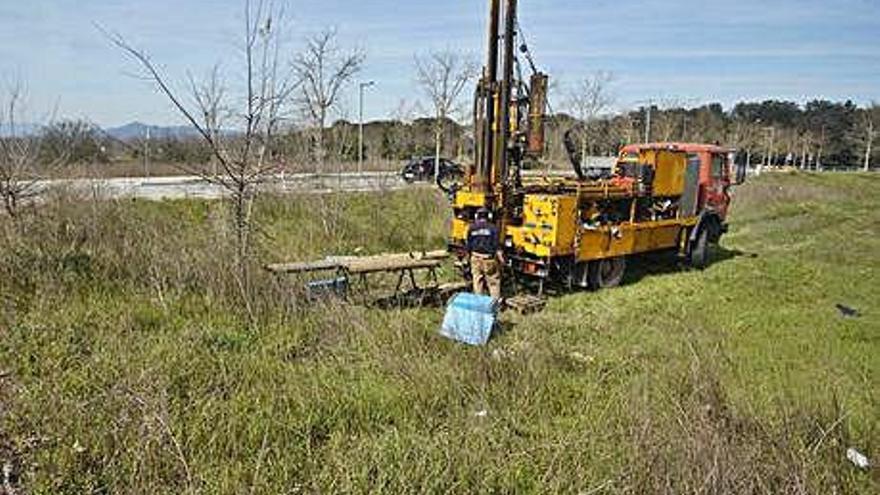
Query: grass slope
(127, 369)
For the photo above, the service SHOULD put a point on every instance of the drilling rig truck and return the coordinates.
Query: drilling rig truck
(578, 231)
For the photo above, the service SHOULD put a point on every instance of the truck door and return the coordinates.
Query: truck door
(691, 196)
(717, 198)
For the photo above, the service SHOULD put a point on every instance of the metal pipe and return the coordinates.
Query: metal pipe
(492, 55)
(500, 172)
(490, 84)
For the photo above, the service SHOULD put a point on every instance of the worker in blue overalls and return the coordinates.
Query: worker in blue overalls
(486, 255)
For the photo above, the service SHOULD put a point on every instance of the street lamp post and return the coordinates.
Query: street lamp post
(361, 88)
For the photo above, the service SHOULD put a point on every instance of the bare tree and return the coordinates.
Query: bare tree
(805, 139)
(588, 99)
(746, 138)
(668, 117)
(22, 154)
(443, 75)
(869, 122)
(343, 138)
(74, 141)
(240, 139)
(623, 129)
(324, 70)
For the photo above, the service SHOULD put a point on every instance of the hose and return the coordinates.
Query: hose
(451, 190)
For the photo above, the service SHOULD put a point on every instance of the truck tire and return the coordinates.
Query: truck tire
(699, 256)
(607, 273)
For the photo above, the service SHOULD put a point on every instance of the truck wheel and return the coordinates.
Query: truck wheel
(607, 273)
(699, 257)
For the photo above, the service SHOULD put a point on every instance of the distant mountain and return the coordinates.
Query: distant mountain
(138, 130)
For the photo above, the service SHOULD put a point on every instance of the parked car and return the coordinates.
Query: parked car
(421, 169)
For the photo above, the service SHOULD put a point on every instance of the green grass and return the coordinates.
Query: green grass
(129, 370)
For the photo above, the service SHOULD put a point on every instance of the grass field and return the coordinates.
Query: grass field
(126, 366)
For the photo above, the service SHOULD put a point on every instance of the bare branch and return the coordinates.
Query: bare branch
(23, 156)
(242, 150)
(443, 76)
(590, 97)
(156, 77)
(323, 70)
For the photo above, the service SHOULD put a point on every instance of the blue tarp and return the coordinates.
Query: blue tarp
(470, 319)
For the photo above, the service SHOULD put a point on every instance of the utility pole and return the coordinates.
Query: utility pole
(362, 86)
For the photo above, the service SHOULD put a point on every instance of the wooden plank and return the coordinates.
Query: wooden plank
(304, 267)
(365, 264)
(415, 255)
(453, 287)
(388, 265)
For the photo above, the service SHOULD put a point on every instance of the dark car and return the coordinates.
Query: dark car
(421, 169)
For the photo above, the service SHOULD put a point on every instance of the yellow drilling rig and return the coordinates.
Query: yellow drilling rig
(578, 231)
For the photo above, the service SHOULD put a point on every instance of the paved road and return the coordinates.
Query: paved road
(159, 188)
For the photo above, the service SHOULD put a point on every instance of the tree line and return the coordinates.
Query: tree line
(820, 134)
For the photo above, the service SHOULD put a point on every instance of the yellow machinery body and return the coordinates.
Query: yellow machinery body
(549, 226)
(670, 168)
(587, 220)
(570, 223)
(558, 233)
(466, 203)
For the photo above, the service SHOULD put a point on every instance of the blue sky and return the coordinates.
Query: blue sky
(688, 50)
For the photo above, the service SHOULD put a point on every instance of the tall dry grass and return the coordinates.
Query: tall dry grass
(127, 365)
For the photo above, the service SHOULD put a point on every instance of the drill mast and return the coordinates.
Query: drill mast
(499, 109)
